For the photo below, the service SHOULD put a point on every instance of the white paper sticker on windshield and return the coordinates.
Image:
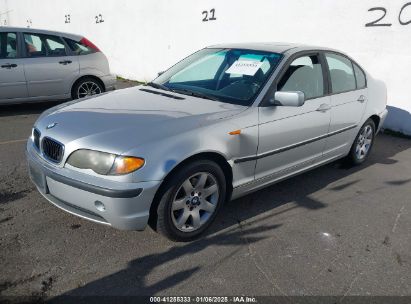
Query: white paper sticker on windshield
(244, 67)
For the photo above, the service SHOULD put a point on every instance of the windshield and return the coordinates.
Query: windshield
(227, 75)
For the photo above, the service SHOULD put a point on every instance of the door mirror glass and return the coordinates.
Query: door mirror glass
(288, 99)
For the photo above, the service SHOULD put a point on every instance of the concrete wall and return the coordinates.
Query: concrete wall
(142, 37)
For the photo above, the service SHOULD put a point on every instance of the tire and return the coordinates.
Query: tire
(85, 87)
(191, 216)
(360, 149)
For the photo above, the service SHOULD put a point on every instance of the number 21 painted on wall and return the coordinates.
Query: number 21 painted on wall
(212, 15)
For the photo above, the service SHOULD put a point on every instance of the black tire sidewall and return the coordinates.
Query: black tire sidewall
(353, 156)
(165, 223)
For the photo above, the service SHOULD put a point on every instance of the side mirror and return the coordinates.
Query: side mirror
(288, 99)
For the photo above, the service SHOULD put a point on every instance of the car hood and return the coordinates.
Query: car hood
(124, 119)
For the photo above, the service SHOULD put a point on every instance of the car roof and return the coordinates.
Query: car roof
(40, 31)
(275, 47)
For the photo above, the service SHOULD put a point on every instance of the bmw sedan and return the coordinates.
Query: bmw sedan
(39, 65)
(224, 122)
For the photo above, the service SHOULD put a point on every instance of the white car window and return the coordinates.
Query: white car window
(38, 45)
(304, 74)
(8, 45)
(360, 76)
(341, 72)
(204, 69)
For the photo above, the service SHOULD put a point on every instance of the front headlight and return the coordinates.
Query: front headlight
(104, 163)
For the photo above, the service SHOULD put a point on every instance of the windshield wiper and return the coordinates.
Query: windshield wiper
(158, 86)
(195, 94)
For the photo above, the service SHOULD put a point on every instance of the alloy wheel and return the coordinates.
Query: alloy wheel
(364, 142)
(88, 88)
(195, 201)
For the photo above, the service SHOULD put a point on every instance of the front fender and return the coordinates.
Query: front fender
(162, 156)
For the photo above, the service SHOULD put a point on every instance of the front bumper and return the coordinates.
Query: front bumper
(123, 206)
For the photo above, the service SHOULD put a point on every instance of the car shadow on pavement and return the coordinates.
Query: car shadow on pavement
(240, 223)
(132, 281)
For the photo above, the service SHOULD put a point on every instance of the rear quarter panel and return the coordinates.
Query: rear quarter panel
(95, 64)
(377, 97)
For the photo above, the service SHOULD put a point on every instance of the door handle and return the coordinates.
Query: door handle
(65, 62)
(9, 66)
(362, 98)
(324, 107)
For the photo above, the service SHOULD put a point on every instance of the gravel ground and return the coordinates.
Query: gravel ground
(333, 231)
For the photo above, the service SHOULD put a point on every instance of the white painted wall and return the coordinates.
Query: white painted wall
(144, 37)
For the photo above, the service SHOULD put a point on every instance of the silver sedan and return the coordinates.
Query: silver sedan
(39, 65)
(223, 122)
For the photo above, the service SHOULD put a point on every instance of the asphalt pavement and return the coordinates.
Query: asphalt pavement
(334, 231)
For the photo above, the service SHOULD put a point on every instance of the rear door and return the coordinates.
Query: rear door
(50, 71)
(12, 79)
(348, 99)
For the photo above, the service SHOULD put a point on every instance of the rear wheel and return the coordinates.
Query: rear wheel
(190, 201)
(363, 143)
(86, 87)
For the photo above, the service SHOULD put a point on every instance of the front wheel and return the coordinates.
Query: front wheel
(190, 201)
(363, 143)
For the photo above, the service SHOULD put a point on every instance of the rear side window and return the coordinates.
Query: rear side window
(79, 48)
(360, 76)
(8, 45)
(38, 45)
(341, 72)
(304, 74)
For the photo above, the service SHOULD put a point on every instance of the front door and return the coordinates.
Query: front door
(12, 79)
(49, 71)
(293, 138)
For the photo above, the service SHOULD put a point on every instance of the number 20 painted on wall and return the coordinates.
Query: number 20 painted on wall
(384, 12)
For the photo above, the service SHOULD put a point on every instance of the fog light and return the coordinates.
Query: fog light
(100, 206)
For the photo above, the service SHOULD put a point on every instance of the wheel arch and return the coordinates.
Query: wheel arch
(376, 119)
(219, 159)
(85, 77)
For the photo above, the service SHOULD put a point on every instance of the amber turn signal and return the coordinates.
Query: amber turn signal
(235, 132)
(126, 164)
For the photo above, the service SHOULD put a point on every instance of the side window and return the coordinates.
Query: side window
(341, 72)
(55, 46)
(8, 45)
(304, 74)
(78, 47)
(360, 76)
(43, 45)
(35, 47)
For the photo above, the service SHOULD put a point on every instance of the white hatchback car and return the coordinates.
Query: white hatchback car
(39, 65)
